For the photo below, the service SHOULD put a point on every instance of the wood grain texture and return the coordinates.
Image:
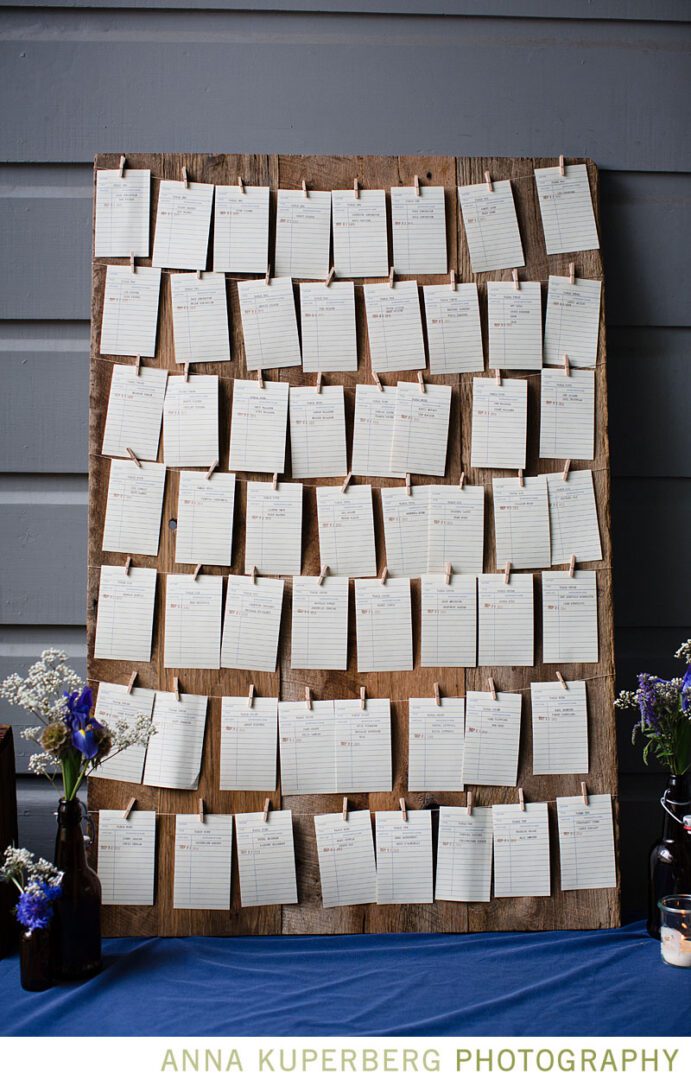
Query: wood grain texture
(593, 908)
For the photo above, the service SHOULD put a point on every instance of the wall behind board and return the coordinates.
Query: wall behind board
(606, 79)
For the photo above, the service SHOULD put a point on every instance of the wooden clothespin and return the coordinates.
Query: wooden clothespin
(492, 689)
(137, 366)
(121, 166)
(521, 478)
(507, 573)
(345, 809)
(488, 181)
(274, 482)
(176, 688)
(497, 376)
(128, 809)
(197, 568)
(212, 467)
(416, 185)
(318, 384)
(461, 482)
(391, 277)
(304, 188)
(133, 265)
(404, 810)
(260, 378)
(469, 804)
(267, 809)
(133, 679)
(408, 484)
(572, 566)
(421, 382)
(344, 485)
(250, 696)
(572, 273)
(584, 793)
(452, 280)
(567, 364)
(186, 372)
(516, 282)
(199, 275)
(185, 177)
(437, 695)
(356, 188)
(521, 800)
(253, 575)
(322, 575)
(561, 680)
(133, 456)
(330, 276)
(448, 571)
(308, 698)
(363, 698)
(377, 381)
(128, 564)
(267, 278)
(200, 810)
(562, 166)
(241, 185)
(384, 576)
(567, 466)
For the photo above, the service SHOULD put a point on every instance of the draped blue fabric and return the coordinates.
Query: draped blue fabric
(605, 982)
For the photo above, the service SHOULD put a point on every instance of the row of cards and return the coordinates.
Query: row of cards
(486, 620)
(401, 872)
(396, 430)
(343, 746)
(328, 324)
(360, 231)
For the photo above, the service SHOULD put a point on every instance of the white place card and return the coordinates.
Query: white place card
(327, 314)
(249, 743)
(174, 757)
(464, 854)
(203, 860)
(505, 620)
(273, 541)
(454, 334)
(586, 843)
(435, 744)
(456, 528)
(266, 858)
(258, 426)
(363, 745)
(418, 220)
(190, 420)
(421, 429)
(560, 728)
(566, 208)
(317, 431)
(130, 311)
(252, 623)
(118, 708)
(521, 522)
(133, 509)
(449, 621)
(127, 856)
(303, 233)
(394, 327)
(121, 226)
(572, 321)
(269, 324)
(573, 517)
(346, 858)
(514, 318)
(492, 737)
(125, 618)
(241, 229)
(500, 421)
(307, 741)
(346, 530)
(404, 857)
(200, 318)
(384, 625)
(521, 850)
(194, 609)
(360, 233)
(135, 412)
(183, 219)
(567, 414)
(373, 430)
(405, 529)
(204, 532)
(491, 226)
(569, 617)
(319, 634)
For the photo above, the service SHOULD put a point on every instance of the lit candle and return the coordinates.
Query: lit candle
(675, 948)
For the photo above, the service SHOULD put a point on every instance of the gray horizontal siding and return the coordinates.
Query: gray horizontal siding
(290, 82)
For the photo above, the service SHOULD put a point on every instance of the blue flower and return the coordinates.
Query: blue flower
(78, 706)
(85, 738)
(686, 689)
(647, 699)
(35, 906)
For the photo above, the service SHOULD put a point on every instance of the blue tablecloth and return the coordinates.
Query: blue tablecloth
(606, 982)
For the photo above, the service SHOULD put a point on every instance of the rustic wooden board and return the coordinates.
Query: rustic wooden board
(583, 909)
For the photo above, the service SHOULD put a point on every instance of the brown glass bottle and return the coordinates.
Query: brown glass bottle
(78, 910)
(670, 858)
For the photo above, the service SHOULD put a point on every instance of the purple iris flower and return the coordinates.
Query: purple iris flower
(78, 706)
(85, 739)
(686, 689)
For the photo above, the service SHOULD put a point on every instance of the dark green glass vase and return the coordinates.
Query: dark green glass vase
(36, 958)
